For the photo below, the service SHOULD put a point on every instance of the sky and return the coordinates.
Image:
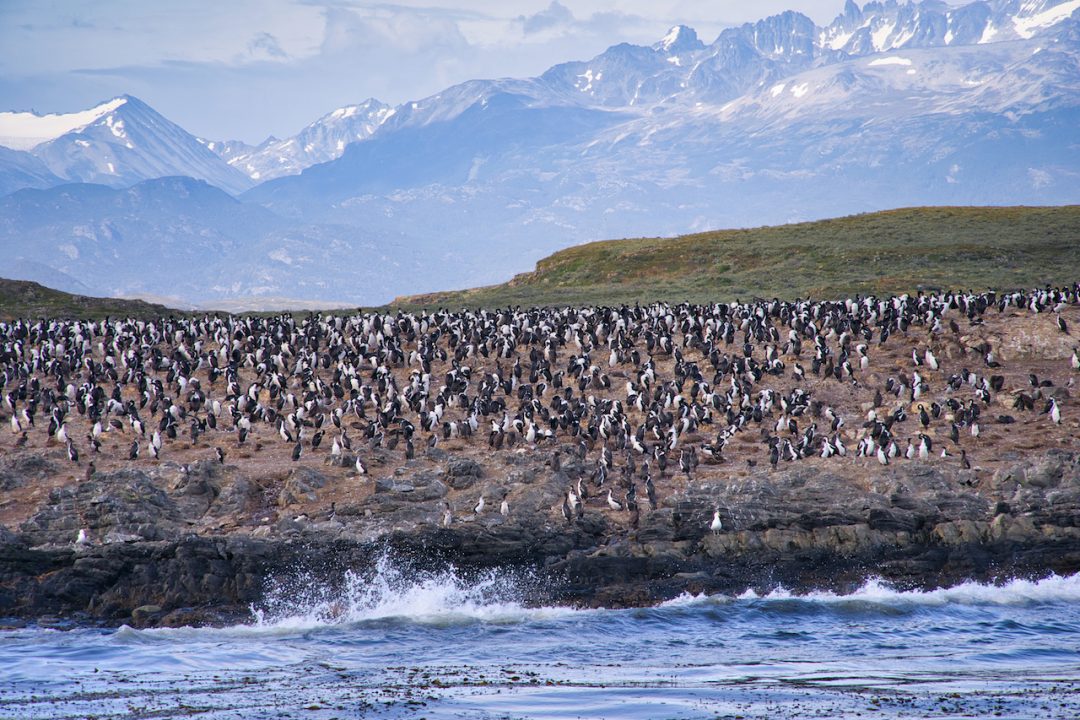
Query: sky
(246, 69)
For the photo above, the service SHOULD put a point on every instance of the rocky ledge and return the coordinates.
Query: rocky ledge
(193, 544)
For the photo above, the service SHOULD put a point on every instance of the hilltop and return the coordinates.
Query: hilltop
(25, 299)
(896, 251)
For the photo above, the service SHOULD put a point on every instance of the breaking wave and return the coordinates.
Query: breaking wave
(392, 590)
(1051, 589)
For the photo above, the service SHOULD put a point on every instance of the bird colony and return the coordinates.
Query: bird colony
(629, 403)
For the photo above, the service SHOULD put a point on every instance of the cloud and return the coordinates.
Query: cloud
(555, 15)
(265, 46)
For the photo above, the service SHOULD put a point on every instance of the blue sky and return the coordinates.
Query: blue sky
(244, 69)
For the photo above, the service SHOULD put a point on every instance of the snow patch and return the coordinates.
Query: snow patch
(1027, 26)
(777, 89)
(799, 90)
(881, 35)
(836, 42)
(25, 130)
(70, 250)
(589, 78)
(112, 168)
(669, 40)
(282, 256)
(890, 61)
(115, 126)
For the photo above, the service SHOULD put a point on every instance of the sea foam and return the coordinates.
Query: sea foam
(1051, 589)
(392, 590)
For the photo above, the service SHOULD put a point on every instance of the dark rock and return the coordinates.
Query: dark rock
(461, 474)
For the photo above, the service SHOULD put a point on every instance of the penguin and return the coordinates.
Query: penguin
(361, 468)
(479, 507)
(220, 455)
(297, 451)
(133, 451)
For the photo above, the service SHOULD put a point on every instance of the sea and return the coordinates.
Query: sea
(398, 643)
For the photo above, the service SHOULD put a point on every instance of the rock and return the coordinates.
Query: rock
(461, 474)
(17, 470)
(300, 485)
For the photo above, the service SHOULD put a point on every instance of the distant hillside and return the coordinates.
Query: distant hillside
(885, 252)
(25, 299)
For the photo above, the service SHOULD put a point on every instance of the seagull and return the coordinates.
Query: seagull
(716, 525)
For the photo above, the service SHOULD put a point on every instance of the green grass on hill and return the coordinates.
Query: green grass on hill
(25, 299)
(885, 252)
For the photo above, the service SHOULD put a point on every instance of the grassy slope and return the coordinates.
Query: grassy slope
(21, 298)
(885, 252)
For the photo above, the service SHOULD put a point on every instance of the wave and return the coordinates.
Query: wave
(875, 591)
(392, 590)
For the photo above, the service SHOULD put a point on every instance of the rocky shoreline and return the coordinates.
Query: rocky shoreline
(165, 552)
(177, 471)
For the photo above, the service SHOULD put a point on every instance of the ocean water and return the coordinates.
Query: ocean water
(400, 644)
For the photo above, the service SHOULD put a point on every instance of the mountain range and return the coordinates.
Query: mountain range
(892, 104)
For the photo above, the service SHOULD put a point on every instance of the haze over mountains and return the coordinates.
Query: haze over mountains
(893, 104)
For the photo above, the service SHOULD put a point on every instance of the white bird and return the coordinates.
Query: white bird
(931, 361)
(716, 525)
(1055, 413)
(504, 509)
(83, 538)
(361, 469)
(479, 508)
(612, 502)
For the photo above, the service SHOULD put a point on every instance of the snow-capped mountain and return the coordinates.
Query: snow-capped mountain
(321, 141)
(892, 104)
(117, 143)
